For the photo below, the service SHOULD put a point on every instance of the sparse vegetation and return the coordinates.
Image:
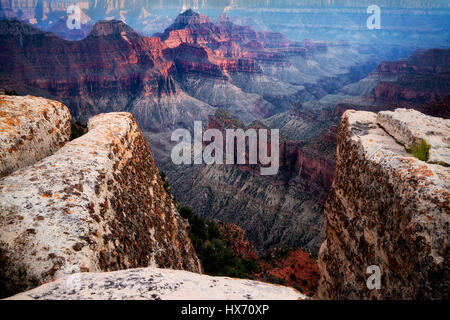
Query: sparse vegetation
(276, 280)
(165, 181)
(224, 114)
(77, 130)
(216, 258)
(421, 151)
(9, 92)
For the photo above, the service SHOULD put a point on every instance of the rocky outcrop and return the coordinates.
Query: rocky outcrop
(127, 66)
(411, 127)
(156, 284)
(234, 239)
(97, 204)
(30, 129)
(192, 58)
(386, 209)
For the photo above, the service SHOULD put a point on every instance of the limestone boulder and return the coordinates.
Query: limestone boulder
(97, 204)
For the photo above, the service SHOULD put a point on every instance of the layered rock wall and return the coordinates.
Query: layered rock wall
(386, 209)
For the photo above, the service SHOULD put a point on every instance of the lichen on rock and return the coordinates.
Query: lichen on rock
(386, 208)
(412, 129)
(31, 128)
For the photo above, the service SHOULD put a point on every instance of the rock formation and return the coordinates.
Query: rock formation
(156, 284)
(293, 267)
(30, 129)
(97, 204)
(423, 76)
(410, 128)
(387, 209)
(193, 66)
(235, 240)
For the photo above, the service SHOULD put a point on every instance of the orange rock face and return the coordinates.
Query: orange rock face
(230, 47)
(112, 64)
(235, 240)
(296, 267)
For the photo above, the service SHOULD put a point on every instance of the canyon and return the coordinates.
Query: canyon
(403, 22)
(377, 173)
(229, 76)
(94, 215)
(191, 71)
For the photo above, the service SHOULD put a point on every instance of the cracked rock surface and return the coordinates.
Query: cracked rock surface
(410, 127)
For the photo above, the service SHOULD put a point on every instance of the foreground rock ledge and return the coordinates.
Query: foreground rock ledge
(386, 208)
(97, 204)
(31, 129)
(155, 284)
(410, 127)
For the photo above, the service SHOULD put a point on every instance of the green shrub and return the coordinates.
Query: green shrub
(216, 258)
(9, 92)
(165, 181)
(421, 151)
(276, 280)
